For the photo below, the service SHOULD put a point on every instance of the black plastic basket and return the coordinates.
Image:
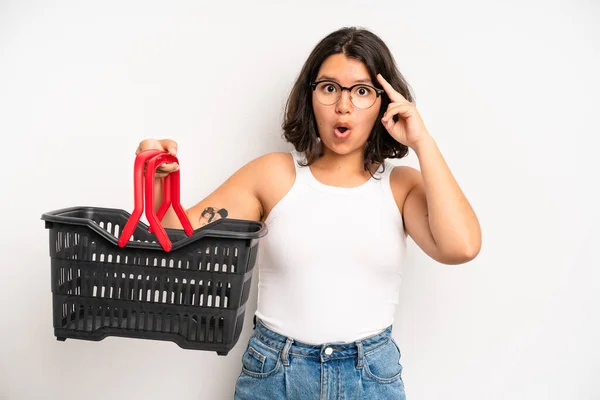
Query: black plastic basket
(194, 295)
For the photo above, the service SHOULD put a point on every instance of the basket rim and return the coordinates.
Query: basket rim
(214, 230)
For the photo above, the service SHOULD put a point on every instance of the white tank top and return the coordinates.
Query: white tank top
(331, 264)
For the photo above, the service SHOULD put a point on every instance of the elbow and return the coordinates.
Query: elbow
(471, 245)
(460, 255)
(472, 251)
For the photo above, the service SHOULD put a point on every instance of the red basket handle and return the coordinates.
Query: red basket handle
(171, 196)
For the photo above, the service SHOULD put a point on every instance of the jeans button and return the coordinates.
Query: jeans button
(328, 351)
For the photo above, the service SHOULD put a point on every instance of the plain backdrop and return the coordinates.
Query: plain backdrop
(509, 90)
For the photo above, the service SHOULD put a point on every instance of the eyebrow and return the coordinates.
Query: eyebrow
(329, 78)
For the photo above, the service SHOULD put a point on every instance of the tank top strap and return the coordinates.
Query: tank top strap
(302, 172)
(384, 178)
(385, 175)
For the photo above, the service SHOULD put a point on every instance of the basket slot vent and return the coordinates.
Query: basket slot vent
(218, 259)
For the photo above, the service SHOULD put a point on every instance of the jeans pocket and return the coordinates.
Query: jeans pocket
(260, 360)
(253, 360)
(383, 363)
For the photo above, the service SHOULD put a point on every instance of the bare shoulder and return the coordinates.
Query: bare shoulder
(272, 162)
(275, 177)
(270, 167)
(248, 193)
(402, 180)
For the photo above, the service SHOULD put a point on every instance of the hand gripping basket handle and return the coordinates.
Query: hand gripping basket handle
(171, 196)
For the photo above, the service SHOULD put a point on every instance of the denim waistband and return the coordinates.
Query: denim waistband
(324, 351)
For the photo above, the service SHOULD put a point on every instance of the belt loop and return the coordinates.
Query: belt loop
(360, 354)
(285, 352)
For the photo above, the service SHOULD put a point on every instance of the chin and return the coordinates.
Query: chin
(343, 149)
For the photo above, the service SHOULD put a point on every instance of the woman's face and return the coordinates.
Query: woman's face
(358, 121)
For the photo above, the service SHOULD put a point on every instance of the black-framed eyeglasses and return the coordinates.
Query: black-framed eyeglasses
(363, 96)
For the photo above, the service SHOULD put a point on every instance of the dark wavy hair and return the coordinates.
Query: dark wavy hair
(299, 124)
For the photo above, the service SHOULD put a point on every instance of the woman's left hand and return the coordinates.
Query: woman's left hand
(409, 129)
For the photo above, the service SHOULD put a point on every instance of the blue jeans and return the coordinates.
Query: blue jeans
(278, 367)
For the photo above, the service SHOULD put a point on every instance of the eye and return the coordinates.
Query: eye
(363, 90)
(329, 88)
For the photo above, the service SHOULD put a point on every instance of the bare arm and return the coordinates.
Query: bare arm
(436, 213)
(236, 198)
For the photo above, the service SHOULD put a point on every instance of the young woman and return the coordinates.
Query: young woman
(338, 216)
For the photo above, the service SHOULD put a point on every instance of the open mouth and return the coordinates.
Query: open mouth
(342, 132)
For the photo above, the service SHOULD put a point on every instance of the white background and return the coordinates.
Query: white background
(508, 89)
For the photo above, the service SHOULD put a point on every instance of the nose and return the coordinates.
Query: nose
(344, 104)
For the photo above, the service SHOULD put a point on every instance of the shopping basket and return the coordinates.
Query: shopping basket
(113, 275)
